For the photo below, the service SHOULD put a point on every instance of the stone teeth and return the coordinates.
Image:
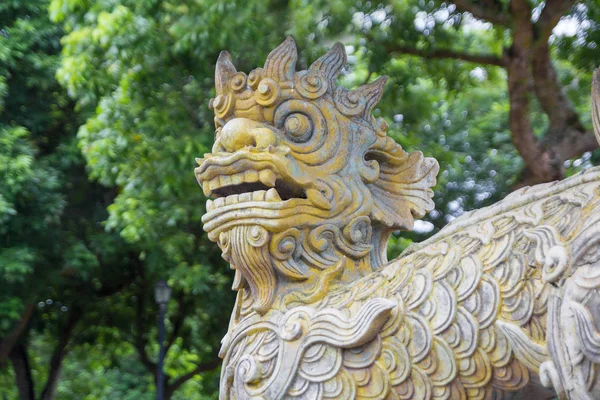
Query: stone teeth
(213, 183)
(246, 197)
(205, 188)
(272, 195)
(267, 177)
(219, 202)
(232, 199)
(250, 176)
(237, 179)
(225, 180)
(259, 195)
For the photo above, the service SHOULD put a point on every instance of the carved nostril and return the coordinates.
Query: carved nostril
(264, 137)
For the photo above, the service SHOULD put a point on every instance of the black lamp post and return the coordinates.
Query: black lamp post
(162, 294)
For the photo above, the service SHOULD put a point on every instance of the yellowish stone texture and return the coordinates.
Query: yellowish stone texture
(308, 187)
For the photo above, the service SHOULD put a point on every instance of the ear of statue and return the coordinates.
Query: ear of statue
(224, 71)
(596, 103)
(403, 190)
(331, 63)
(281, 62)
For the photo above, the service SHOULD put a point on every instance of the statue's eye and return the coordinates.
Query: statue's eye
(298, 127)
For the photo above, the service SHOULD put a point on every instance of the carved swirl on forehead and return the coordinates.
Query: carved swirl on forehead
(223, 105)
(310, 84)
(267, 92)
(238, 82)
(254, 77)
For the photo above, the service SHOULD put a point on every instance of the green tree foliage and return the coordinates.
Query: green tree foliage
(104, 107)
(56, 259)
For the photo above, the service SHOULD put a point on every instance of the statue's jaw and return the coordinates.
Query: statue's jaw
(274, 216)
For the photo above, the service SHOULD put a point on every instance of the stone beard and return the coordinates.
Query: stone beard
(307, 188)
(265, 262)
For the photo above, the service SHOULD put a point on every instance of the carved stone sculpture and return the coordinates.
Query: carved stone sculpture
(309, 187)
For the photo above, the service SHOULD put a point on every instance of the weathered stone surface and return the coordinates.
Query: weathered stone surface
(308, 188)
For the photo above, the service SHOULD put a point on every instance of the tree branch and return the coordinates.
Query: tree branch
(573, 143)
(8, 341)
(20, 362)
(565, 130)
(539, 162)
(548, 89)
(207, 366)
(487, 59)
(494, 15)
(566, 136)
(59, 354)
(551, 14)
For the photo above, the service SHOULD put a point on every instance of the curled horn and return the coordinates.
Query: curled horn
(331, 63)
(281, 62)
(360, 101)
(223, 72)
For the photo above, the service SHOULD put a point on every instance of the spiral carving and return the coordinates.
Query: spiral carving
(238, 82)
(308, 127)
(248, 370)
(556, 264)
(348, 102)
(311, 85)
(294, 325)
(286, 244)
(353, 241)
(358, 230)
(322, 237)
(257, 236)
(255, 77)
(267, 92)
(223, 105)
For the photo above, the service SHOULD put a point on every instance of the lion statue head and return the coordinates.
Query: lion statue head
(303, 176)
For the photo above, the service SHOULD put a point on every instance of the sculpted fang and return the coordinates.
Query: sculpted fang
(308, 187)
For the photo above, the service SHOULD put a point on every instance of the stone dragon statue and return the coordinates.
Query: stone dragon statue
(308, 188)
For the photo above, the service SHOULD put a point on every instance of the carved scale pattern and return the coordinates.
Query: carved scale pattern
(461, 316)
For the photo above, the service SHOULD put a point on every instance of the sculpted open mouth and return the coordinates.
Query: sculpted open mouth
(264, 187)
(245, 177)
(249, 186)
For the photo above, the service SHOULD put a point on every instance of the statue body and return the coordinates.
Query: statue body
(309, 187)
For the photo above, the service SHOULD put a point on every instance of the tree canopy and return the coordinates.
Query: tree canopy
(104, 107)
